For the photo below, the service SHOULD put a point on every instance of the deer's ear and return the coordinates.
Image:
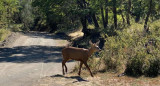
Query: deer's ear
(97, 43)
(90, 42)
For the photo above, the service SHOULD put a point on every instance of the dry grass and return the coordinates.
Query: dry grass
(99, 79)
(111, 79)
(102, 78)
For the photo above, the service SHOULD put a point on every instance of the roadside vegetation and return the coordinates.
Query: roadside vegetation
(128, 30)
(4, 33)
(134, 51)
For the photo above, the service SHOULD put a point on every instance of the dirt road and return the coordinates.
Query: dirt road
(25, 58)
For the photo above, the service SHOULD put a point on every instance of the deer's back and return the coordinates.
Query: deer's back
(75, 53)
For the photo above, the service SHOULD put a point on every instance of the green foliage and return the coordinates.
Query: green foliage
(3, 34)
(59, 14)
(7, 10)
(16, 27)
(27, 16)
(135, 49)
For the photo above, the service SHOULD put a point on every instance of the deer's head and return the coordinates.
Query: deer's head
(94, 46)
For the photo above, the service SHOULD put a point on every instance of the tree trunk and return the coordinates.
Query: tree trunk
(123, 18)
(95, 20)
(84, 24)
(115, 13)
(148, 14)
(102, 14)
(83, 18)
(128, 12)
(106, 16)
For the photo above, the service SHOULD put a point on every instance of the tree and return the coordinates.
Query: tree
(103, 19)
(106, 11)
(148, 14)
(27, 16)
(52, 12)
(95, 20)
(83, 17)
(128, 12)
(115, 13)
(7, 10)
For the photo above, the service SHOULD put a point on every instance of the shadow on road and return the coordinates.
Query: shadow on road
(31, 54)
(78, 78)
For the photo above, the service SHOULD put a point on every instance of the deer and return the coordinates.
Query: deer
(79, 54)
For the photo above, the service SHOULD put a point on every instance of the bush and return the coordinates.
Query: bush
(153, 67)
(135, 64)
(113, 53)
(139, 52)
(4, 33)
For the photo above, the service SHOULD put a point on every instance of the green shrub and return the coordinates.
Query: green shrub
(139, 52)
(153, 66)
(16, 27)
(4, 33)
(135, 64)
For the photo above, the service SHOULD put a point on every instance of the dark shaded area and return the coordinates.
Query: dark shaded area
(83, 42)
(79, 79)
(31, 54)
(63, 35)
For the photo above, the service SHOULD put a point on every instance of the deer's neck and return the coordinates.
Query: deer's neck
(91, 51)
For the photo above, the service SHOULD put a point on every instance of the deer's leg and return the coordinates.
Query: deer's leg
(85, 63)
(81, 63)
(65, 67)
(63, 64)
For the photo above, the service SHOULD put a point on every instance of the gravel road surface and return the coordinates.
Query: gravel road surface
(26, 58)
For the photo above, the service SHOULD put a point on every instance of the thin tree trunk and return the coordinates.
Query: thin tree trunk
(102, 14)
(115, 13)
(95, 20)
(84, 24)
(148, 14)
(83, 18)
(106, 16)
(123, 17)
(138, 15)
(128, 12)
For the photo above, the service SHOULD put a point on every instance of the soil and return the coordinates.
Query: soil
(100, 79)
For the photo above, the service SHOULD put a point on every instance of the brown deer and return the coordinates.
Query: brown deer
(79, 54)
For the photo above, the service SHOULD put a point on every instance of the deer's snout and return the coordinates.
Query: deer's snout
(100, 49)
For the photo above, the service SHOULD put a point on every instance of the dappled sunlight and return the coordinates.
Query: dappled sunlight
(76, 34)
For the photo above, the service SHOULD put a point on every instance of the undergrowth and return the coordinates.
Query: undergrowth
(131, 50)
(4, 33)
(134, 51)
